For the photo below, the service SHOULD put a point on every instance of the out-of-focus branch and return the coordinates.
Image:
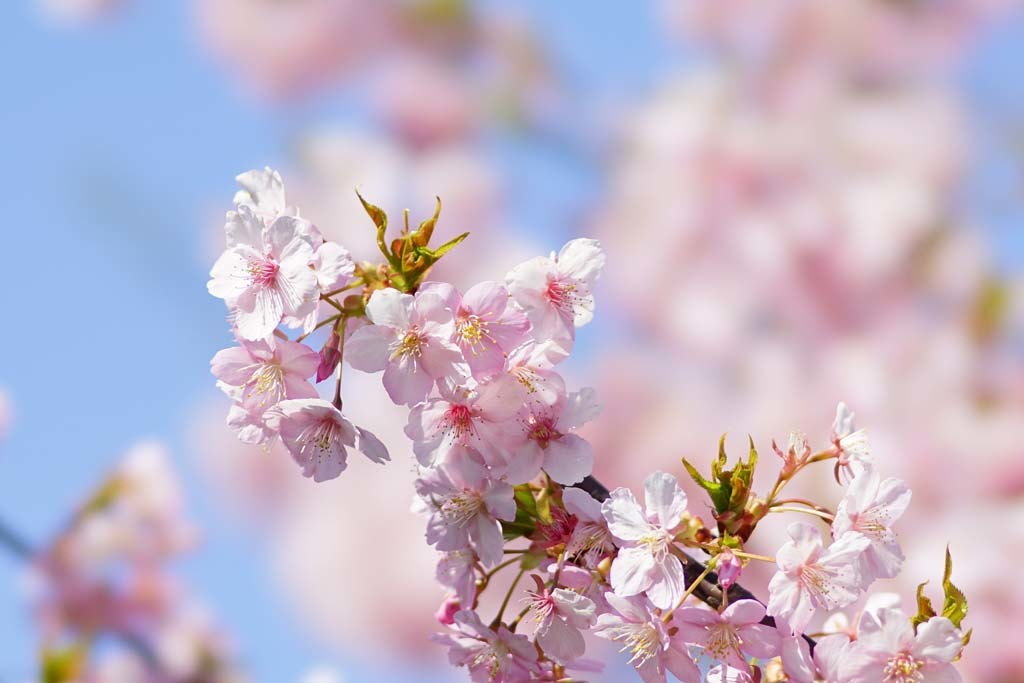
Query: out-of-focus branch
(707, 590)
(16, 544)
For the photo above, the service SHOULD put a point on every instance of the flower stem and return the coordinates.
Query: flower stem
(341, 362)
(508, 596)
(807, 511)
(689, 591)
(326, 321)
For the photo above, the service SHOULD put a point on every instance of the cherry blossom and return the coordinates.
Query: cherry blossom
(464, 507)
(590, 540)
(645, 563)
(408, 340)
(812, 576)
(557, 292)
(561, 615)
(531, 364)
(488, 325)
(481, 417)
(455, 571)
(266, 372)
(566, 457)
(888, 649)
(870, 507)
(491, 656)
(850, 444)
(643, 634)
(730, 636)
(264, 275)
(318, 436)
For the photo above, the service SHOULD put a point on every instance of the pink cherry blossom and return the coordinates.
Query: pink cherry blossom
(557, 292)
(641, 632)
(318, 436)
(264, 275)
(731, 636)
(465, 505)
(566, 457)
(561, 616)
(491, 656)
(481, 418)
(811, 576)
(263, 192)
(266, 371)
(488, 325)
(851, 444)
(409, 341)
(888, 649)
(455, 571)
(644, 563)
(726, 674)
(870, 507)
(801, 667)
(590, 541)
(532, 366)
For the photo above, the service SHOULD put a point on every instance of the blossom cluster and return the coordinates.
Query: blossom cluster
(504, 480)
(106, 606)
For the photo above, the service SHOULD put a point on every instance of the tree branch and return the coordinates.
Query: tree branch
(707, 591)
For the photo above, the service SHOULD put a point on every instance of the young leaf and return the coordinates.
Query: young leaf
(718, 492)
(925, 611)
(954, 605)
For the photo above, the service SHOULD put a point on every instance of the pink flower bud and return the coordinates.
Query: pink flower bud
(446, 612)
(729, 569)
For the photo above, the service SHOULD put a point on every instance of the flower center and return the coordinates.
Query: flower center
(542, 430)
(722, 641)
(644, 642)
(657, 541)
(903, 668)
(409, 346)
(591, 541)
(492, 657)
(472, 332)
(268, 383)
(564, 295)
(460, 509)
(818, 581)
(320, 437)
(263, 273)
(458, 422)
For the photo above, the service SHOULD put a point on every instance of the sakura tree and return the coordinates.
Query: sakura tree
(505, 485)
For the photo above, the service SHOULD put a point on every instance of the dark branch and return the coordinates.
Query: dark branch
(707, 591)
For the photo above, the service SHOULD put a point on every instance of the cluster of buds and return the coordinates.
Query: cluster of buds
(505, 482)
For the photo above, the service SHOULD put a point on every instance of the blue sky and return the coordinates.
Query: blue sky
(116, 141)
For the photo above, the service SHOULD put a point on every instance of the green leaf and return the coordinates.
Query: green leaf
(532, 560)
(380, 219)
(525, 501)
(718, 492)
(543, 501)
(954, 605)
(449, 245)
(925, 611)
(421, 237)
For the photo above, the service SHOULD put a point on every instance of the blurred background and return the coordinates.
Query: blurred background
(802, 202)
